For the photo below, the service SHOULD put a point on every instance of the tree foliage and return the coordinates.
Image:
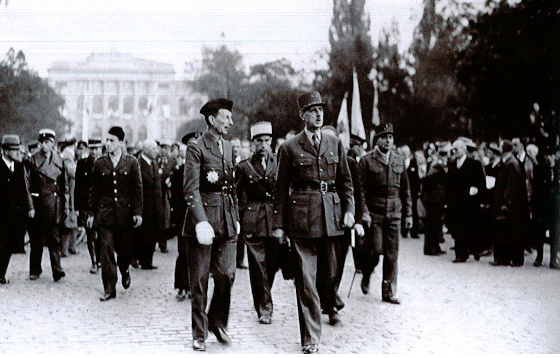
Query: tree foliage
(27, 102)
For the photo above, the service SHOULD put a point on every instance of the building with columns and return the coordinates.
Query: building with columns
(108, 89)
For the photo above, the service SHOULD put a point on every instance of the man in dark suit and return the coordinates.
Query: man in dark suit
(415, 178)
(167, 165)
(115, 207)
(313, 203)
(386, 192)
(48, 186)
(509, 205)
(84, 169)
(16, 204)
(211, 223)
(255, 180)
(466, 193)
(153, 207)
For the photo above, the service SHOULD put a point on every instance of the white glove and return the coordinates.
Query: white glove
(473, 190)
(359, 229)
(204, 233)
(238, 225)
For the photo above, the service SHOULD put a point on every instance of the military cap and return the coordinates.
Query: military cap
(356, 140)
(386, 128)
(82, 144)
(11, 141)
(95, 142)
(310, 99)
(67, 142)
(117, 132)
(32, 145)
(46, 134)
(165, 142)
(216, 104)
(188, 136)
(261, 128)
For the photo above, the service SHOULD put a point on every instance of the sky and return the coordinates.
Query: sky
(174, 31)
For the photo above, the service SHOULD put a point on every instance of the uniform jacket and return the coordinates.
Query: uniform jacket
(84, 169)
(312, 213)
(153, 210)
(49, 186)
(255, 191)
(116, 192)
(209, 187)
(15, 203)
(385, 186)
(510, 192)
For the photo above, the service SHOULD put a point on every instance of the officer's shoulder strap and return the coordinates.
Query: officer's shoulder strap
(252, 168)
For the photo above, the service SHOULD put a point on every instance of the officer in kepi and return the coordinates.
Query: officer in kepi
(255, 180)
(313, 203)
(115, 208)
(211, 223)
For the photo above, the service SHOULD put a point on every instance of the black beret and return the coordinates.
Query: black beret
(216, 104)
(117, 132)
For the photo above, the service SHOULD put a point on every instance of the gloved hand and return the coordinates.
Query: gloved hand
(359, 229)
(204, 233)
(348, 219)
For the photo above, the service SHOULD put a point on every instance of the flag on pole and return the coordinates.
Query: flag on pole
(342, 124)
(356, 123)
(375, 118)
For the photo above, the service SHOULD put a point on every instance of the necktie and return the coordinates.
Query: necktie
(316, 142)
(263, 163)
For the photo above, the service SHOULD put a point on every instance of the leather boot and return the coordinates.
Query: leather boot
(387, 293)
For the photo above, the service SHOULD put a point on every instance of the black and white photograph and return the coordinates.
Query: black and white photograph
(280, 177)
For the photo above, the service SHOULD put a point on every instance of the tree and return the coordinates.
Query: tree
(510, 63)
(27, 102)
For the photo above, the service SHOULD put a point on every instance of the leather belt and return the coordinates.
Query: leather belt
(321, 186)
(226, 190)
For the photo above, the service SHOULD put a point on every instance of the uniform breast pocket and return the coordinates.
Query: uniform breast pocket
(212, 206)
(250, 218)
(397, 171)
(299, 212)
(332, 162)
(303, 168)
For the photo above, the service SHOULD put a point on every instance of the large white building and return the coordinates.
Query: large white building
(108, 89)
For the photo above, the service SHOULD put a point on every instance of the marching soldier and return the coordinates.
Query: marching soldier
(115, 208)
(255, 180)
(313, 203)
(48, 186)
(386, 192)
(211, 223)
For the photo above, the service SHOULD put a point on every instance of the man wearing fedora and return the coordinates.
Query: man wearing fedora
(115, 208)
(84, 170)
(313, 203)
(386, 192)
(211, 223)
(49, 188)
(16, 204)
(255, 181)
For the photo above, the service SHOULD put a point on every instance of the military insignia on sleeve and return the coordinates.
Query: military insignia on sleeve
(212, 176)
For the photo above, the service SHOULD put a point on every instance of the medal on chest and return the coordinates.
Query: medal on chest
(212, 176)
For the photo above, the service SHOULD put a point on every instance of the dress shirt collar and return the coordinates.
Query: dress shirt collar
(9, 163)
(385, 156)
(148, 160)
(460, 161)
(309, 134)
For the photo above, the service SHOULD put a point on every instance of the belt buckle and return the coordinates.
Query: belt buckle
(225, 190)
(323, 187)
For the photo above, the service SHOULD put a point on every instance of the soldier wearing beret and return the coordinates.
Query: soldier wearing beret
(313, 203)
(49, 188)
(115, 208)
(386, 193)
(211, 223)
(255, 180)
(15, 201)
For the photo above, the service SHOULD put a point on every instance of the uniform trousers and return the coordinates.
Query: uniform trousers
(40, 234)
(144, 247)
(315, 272)
(114, 239)
(433, 227)
(68, 238)
(5, 255)
(182, 264)
(218, 259)
(341, 251)
(262, 256)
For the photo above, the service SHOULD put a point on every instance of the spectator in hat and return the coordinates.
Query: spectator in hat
(115, 208)
(528, 165)
(313, 203)
(49, 188)
(211, 223)
(16, 204)
(81, 150)
(68, 231)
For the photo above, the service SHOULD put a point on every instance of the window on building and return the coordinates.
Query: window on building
(183, 107)
(97, 105)
(128, 104)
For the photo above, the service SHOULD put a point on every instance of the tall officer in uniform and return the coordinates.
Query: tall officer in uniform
(255, 181)
(15, 201)
(211, 223)
(48, 185)
(386, 192)
(84, 169)
(313, 203)
(115, 208)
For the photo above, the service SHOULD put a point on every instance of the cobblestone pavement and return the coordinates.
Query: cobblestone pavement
(446, 308)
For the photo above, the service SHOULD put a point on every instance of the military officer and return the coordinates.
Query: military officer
(48, 186)
(15, 201)
(115, 208)
(211, 223)
(313, 203)
(386, 192)
(84, 169)
(255, 180)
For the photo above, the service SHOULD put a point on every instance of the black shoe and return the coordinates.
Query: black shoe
(181, 296)
(364, 285)
(125, 280)
(94, 268)
(34, 277)
(537, 263)
(441, 252)
(134, 263)
(199, 344)
(431, 253)
(392, 300)
(243, 267)
(494, 263)
(3, 281)
(459, 260)
(74, 252)
(221, 335)
(265, 320)
(58, 275)
(62, 254)
(164, 251)
(334, 319)
(148, 267)
(516, 264)
(476, 257)
(108, 296)
(310, 349)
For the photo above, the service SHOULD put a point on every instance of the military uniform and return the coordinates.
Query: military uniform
(387, 196)
(84, 170)
(209, 191)
(255, 190)
(313, 191)
(115, 198)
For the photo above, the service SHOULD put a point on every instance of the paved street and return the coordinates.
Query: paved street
(446, 308)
